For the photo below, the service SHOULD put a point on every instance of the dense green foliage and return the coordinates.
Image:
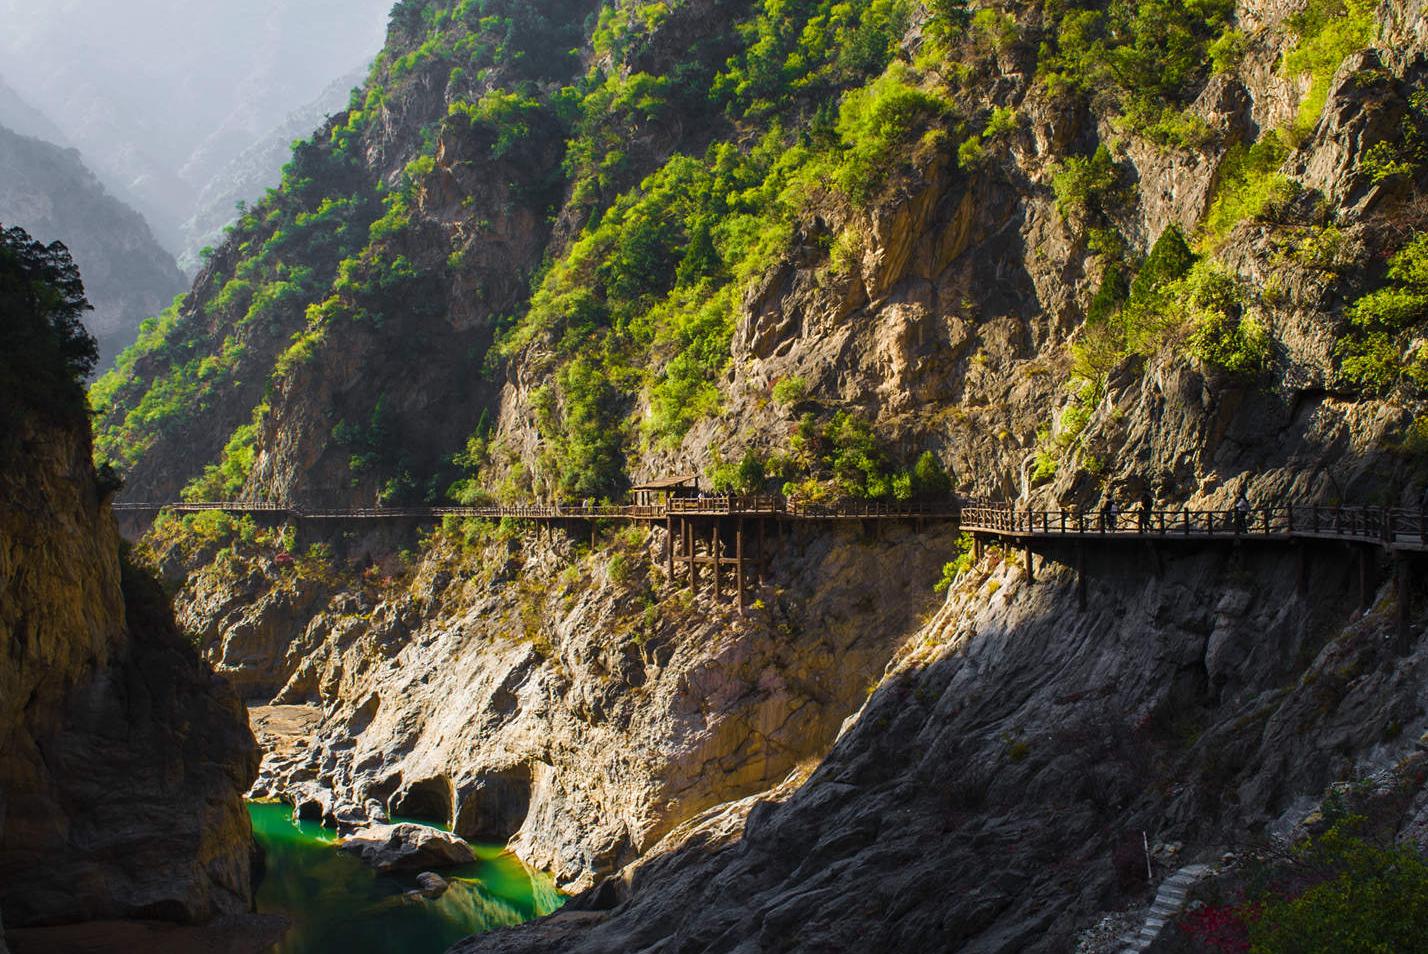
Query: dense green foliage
(45, 352)
(1328, 32)
(678, 178)
(1380, 350)
(1362, 898)
(1194, 306)
(637, 316)
(1149, 57)
(1251, 186)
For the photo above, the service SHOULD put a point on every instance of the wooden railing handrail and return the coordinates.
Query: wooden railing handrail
(1358, 523)
(752, 505)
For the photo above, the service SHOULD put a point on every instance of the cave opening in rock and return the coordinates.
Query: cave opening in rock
(493, 806)
(427, 800)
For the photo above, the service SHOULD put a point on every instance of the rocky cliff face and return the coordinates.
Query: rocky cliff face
(122, 757)
(50, 193)
(1007, 293)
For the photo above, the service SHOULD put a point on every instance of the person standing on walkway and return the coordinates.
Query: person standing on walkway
(1242, 510)
(1108, 514)
(1147, 505)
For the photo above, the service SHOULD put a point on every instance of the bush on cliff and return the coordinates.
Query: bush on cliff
(1362, 898)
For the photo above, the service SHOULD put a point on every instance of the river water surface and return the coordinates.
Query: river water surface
(338, 905)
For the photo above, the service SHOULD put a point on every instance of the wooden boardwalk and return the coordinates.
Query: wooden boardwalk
(1366, 531)
(761, 506)
(1392, 528)
(725, 536)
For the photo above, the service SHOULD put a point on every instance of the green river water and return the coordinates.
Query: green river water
(338, 904)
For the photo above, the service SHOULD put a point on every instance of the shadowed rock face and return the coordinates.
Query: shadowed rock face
(122, 757)
(987, 795)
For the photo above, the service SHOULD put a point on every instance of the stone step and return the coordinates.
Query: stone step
(1169, 900)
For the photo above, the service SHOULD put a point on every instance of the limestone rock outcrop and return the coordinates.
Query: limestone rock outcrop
(123, 759)
(407, 847)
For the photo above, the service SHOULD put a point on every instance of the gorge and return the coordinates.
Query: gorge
(802, 476)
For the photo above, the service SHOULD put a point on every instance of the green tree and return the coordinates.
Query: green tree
(45, 351)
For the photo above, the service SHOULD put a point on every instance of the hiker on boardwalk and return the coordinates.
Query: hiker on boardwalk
(1109, 512)
(1242, 511)
(1147, 505)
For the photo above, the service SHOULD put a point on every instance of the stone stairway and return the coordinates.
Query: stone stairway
(1169, 901)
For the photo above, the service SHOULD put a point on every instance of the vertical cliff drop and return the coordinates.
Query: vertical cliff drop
(123, 759)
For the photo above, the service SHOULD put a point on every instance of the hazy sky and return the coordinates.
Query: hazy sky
(160, 94)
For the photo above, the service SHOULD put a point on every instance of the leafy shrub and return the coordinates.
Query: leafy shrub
(226, 479)
(790, 390)
(954, 568)
(929, 477)
(1328, 32)
(875, 121)
(807, 48)
(745, 477)
(1086, 185)
(1363, 899)
(1151, 56)
(1250, 186)
(1211, 304)
(1375, 352)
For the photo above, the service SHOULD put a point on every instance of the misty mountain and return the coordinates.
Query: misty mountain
(48, 191)
(20, 117)
(161, 95)
(257, 169)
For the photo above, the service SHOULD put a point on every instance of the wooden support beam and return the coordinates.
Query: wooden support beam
(976, 547)
(1030, 563)
(763, 553)
(669, 545)
(739, 560)
(688, 530)
(714, 547)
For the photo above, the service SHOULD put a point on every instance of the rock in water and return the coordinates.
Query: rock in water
(406, 847)
(431, 885)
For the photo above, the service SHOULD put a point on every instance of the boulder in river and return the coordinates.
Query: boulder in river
(431, 885)
(406, 847)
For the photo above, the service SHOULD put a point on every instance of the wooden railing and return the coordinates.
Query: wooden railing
(1398, 526)
(1362, 524)
(757, 505)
